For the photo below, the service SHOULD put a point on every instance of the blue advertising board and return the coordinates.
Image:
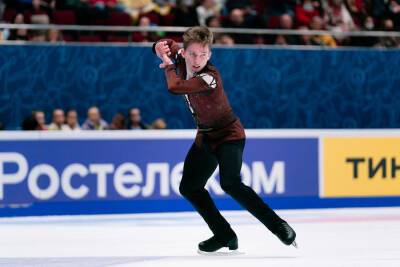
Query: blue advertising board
(57, 173)
(136, 170)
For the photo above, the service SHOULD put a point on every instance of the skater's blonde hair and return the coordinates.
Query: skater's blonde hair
(198, 34)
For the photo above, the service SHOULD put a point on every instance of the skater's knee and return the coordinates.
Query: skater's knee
(230, 187)
(186, 189)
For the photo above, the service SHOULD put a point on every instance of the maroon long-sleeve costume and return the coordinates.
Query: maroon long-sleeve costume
(205, 96)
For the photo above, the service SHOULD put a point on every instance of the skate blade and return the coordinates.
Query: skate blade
(220, 253)
(294, 244)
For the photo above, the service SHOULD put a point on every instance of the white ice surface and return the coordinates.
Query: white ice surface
(328, 237)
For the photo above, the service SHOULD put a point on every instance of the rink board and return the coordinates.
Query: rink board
(44, 173)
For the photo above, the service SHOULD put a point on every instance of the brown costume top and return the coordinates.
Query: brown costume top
(204, 93)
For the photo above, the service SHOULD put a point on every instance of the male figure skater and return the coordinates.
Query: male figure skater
(219, 141)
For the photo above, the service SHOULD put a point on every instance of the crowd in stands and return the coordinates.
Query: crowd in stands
(332, 15)
(68, 121)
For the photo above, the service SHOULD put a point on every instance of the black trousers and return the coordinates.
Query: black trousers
(199, 165)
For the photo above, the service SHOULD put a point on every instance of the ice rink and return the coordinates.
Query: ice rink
(326, 237)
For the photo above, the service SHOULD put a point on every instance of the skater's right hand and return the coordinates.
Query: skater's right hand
(161, 49)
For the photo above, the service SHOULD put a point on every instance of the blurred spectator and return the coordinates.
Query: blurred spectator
(206, 9)
(286, 23)
(280, 40)
(40, 12)
(144, 36)
(317, 24)
(158, 124)
(156, 10)
(251, 18)
(357, 11)
(338, 18)
(213, 22)
(72, 121)
(135, 120)
(19, 19)
(258, 39)
(118, 122)
(54, 36)
(30, 123)
(94, 120)
(19, 34)
(2, 127)
(134, 7)
(2, 33)
(40, 118)
(305, 10)
(278, 8)
(237, 20)
(394, 13)
(367, 25)
(377, 8)
(185, 14)
(387, 25)
(57, 121)
(304, 39)
(225, 39)
(85, 14)
(337, 15)
(238, 4)
(38, 36)
(2, 6)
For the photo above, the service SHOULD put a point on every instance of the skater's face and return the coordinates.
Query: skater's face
(196, 56)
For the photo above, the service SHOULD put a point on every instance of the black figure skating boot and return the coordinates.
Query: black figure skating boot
(213, 244)
(286, 234)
